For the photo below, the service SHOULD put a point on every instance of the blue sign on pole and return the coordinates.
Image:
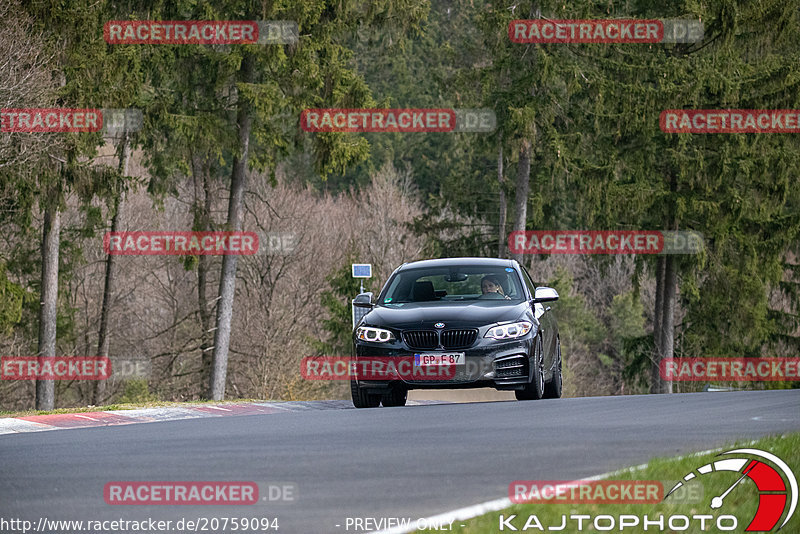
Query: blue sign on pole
(362, 270)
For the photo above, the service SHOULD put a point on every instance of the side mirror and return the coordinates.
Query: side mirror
(363, 300)
(545, 294)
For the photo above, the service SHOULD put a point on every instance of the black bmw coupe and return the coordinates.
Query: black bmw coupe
(458, 323)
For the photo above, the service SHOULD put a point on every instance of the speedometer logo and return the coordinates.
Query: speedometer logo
(773, 493)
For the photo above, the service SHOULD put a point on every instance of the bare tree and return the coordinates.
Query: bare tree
(24, 82)
(98, 387)
(523, 187)
(503, 238)
(48, 306)
(227, 282)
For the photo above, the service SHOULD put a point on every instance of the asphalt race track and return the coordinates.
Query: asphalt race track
(414, 461)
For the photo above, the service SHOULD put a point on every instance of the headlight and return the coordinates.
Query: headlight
(375, 335)
(509, 331)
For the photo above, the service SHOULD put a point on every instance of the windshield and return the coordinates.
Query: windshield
(453, 283)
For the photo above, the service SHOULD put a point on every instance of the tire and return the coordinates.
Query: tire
(535, 388)
(362, 399)
(552, 389)
(396, 397)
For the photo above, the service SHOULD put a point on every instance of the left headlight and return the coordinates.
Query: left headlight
(375, 335)
(509, 331)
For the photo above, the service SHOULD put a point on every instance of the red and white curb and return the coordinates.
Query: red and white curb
(39, 423)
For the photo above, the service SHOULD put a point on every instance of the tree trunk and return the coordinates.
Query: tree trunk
(668, 318)
(523, 186)
(503, 238)
(103, 341)
(202, 222)
(48, 305)
(227, 282)
(665, 309)
(655, 375)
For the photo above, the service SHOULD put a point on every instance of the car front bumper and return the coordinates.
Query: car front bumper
(488, 363)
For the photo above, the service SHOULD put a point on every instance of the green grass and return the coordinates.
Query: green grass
(741, 502)
(123, 406)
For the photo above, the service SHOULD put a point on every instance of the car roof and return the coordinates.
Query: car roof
(445, 262)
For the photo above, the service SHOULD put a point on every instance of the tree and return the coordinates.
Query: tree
(599, 160)
(532, 89)
(262, 86)
(733, 188)
(79, 55)
(25, 82)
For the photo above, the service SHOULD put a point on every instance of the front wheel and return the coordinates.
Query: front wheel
(362, 399)
(535, 388)
(552, 389)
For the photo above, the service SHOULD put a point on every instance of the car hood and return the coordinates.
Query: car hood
(456, 315)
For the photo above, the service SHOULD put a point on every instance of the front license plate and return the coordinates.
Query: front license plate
(439, 359)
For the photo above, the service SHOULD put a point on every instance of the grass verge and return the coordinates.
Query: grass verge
(741, 502)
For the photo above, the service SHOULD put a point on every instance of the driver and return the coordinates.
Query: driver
(491, 284)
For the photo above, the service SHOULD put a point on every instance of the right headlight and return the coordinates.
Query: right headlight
(375, 335)
(509, 331)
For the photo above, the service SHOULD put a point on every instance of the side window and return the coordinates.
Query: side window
(528, 282)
